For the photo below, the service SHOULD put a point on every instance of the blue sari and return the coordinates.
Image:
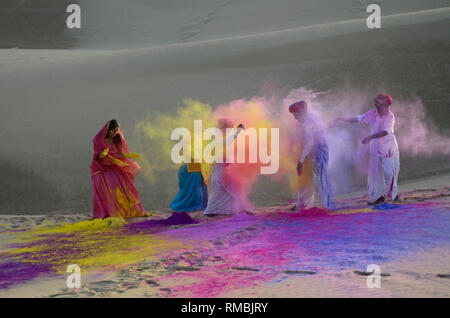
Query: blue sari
(192, 194)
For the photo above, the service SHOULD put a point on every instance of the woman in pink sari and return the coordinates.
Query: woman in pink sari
(112, 173)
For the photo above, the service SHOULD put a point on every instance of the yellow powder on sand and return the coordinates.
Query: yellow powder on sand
(91, 245)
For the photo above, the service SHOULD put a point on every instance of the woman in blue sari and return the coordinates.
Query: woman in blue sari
(193, 193)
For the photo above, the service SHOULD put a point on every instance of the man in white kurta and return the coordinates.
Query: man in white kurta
(223, 197)
(384, 162)
(312, 166)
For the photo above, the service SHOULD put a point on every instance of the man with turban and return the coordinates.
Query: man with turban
(312, 166)
(384, 163)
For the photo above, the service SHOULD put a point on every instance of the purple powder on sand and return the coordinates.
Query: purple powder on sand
(12, 273)
(177, 218)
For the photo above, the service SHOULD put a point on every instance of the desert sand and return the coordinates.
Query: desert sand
(63, 97)
(271, 252)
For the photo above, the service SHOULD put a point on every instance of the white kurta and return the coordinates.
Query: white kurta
(312, 135)
(222, 198)
(384, 163)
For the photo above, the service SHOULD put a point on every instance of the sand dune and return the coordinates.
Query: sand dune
(62, 97)
(164, 55)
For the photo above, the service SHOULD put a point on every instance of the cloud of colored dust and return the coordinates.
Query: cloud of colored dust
(415, 133)
(154, 133)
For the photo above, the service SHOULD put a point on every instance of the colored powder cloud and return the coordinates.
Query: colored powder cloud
(154, 133)
(416, 134)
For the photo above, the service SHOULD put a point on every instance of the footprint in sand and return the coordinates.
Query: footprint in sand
(130, 285)
(197, 24)
(152, 283)
(245, 269)
(103, 286)
(167, 290)
(87, 293)
(294, 272)
(215, 259)
(360, 273)
(183, 268)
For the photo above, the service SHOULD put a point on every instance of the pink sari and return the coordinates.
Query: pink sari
(114, 193)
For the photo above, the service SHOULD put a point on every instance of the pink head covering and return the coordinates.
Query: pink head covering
(100, 144)
(383, 99)
(107, 163)
(225, 122)
(297, 107)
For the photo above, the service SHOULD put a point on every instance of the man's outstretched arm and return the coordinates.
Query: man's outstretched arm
(352, 120)
(375, 136)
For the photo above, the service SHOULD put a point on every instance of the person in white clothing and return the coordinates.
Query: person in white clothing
(384, 162)
(312, 166)
(223, 197)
